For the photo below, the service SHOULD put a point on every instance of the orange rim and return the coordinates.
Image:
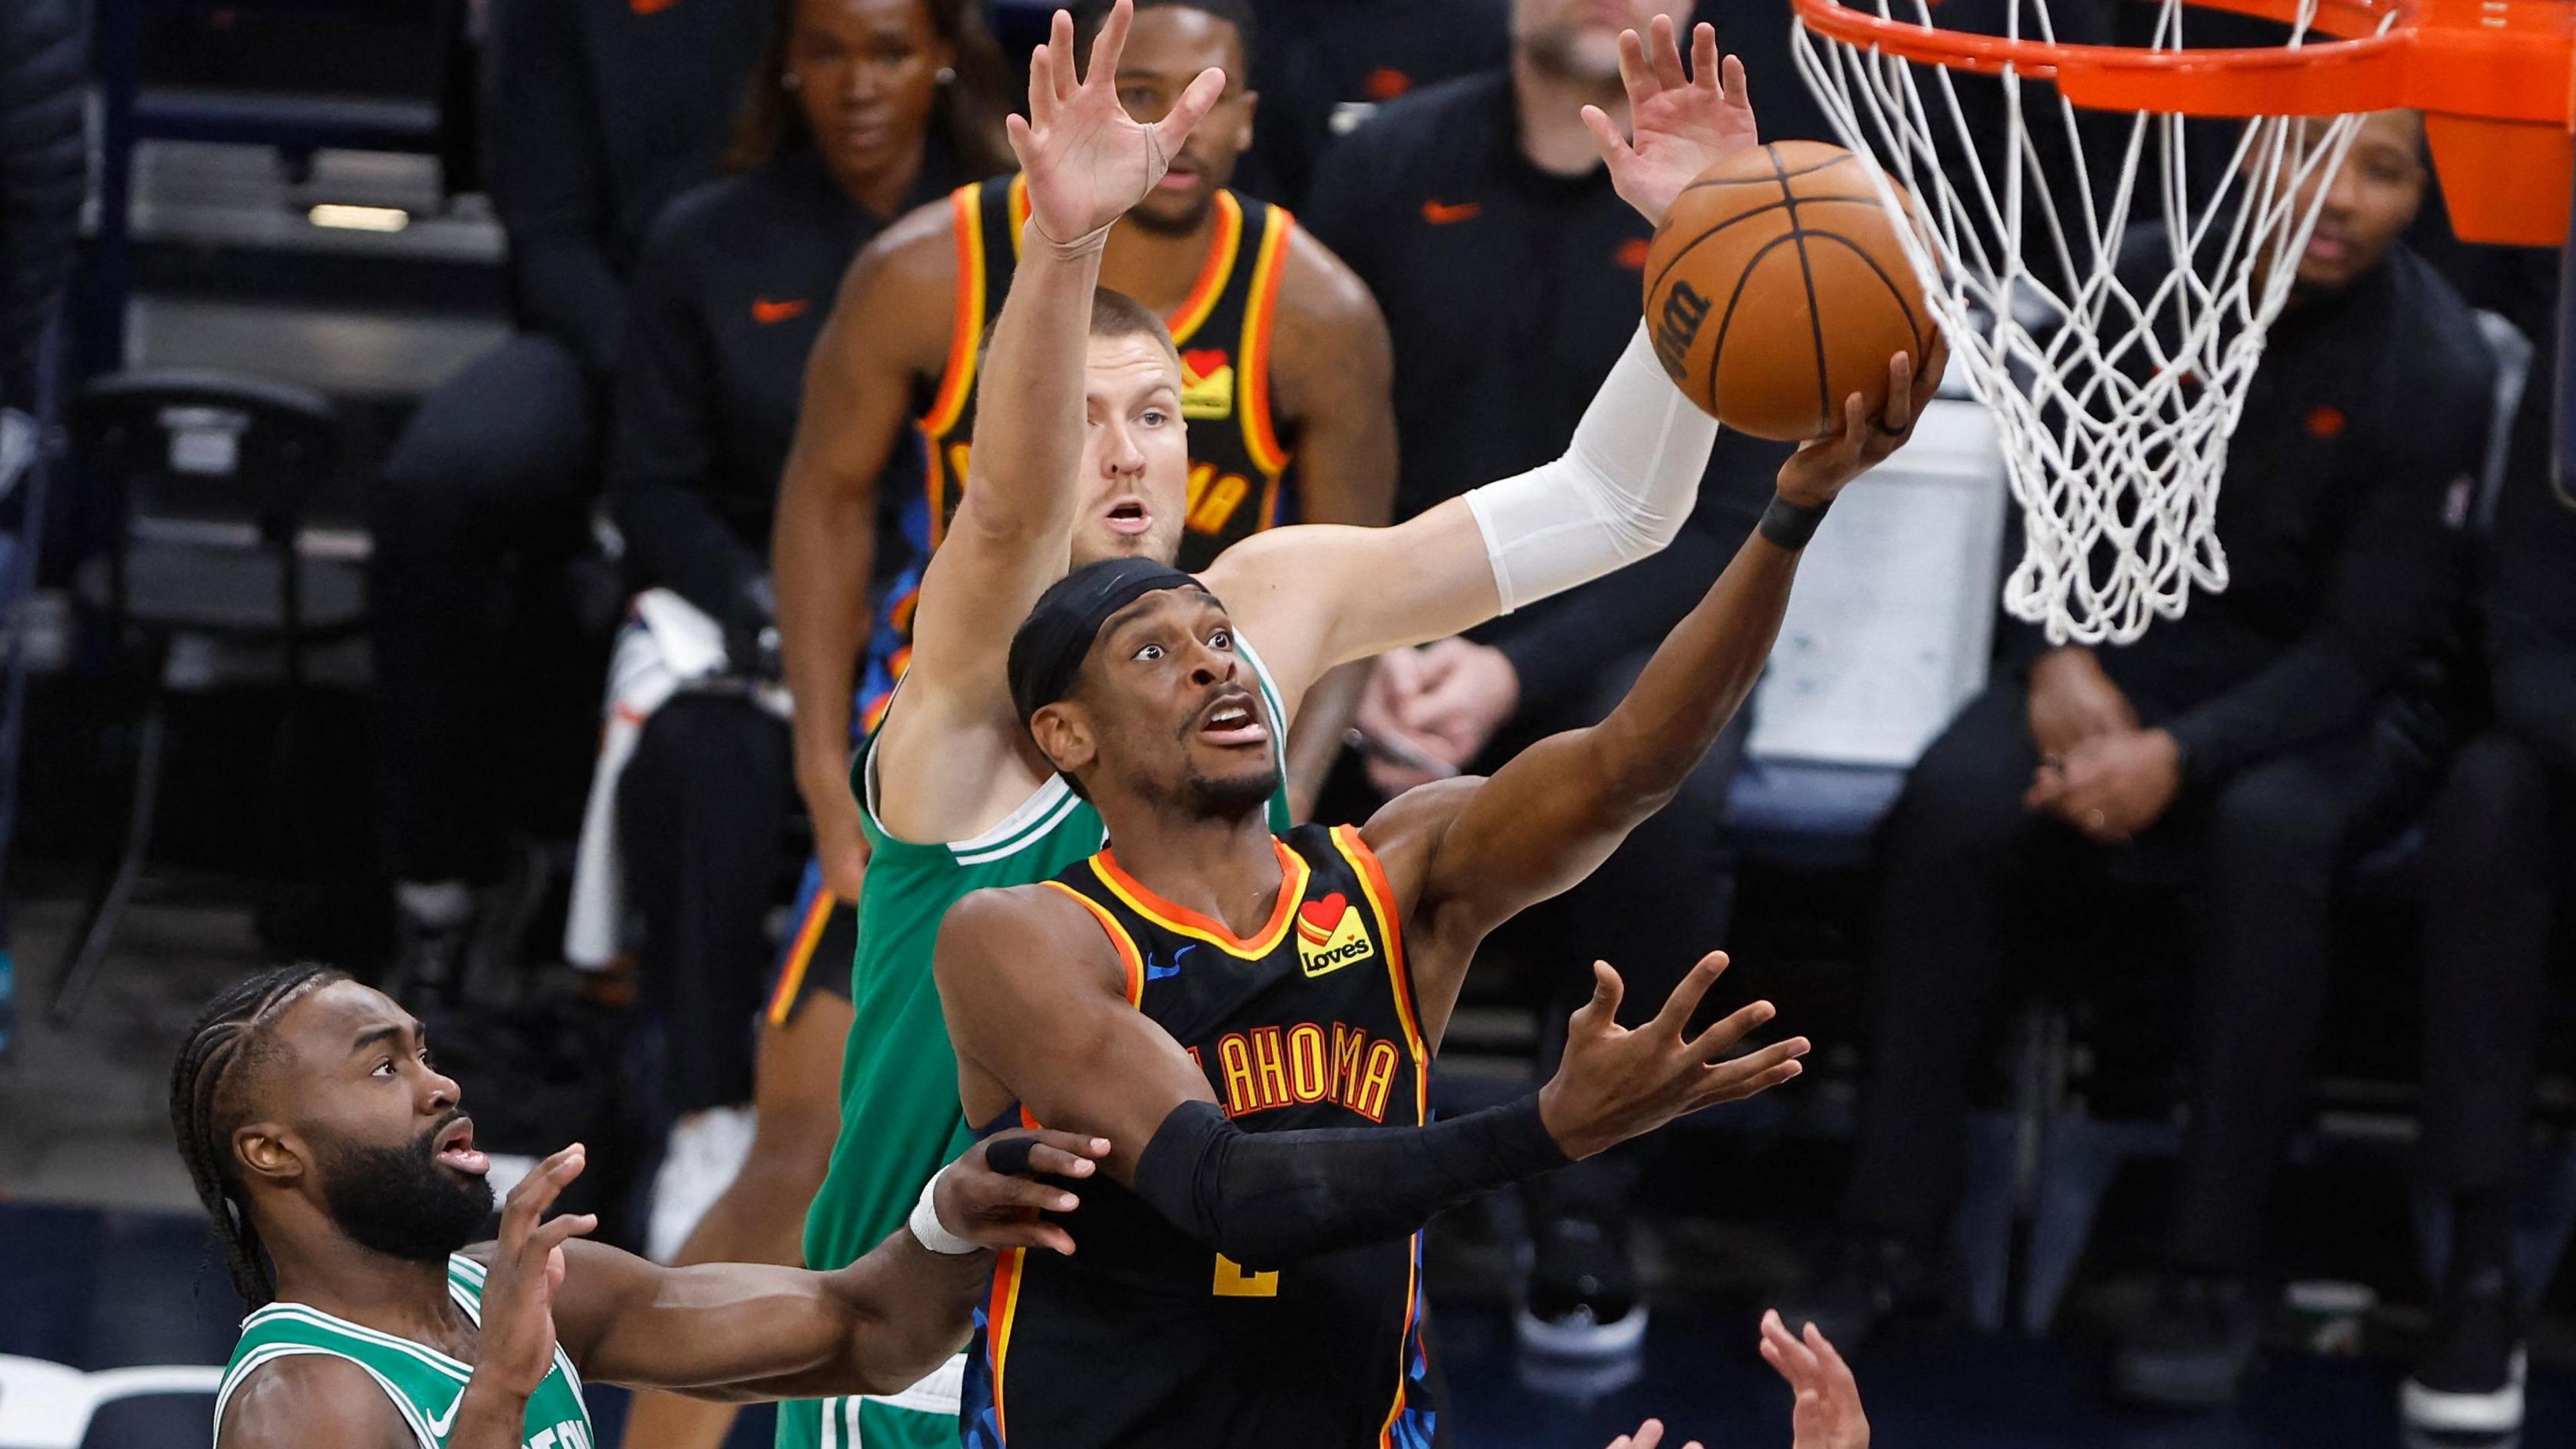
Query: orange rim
(2506, 60)
(2496, 79)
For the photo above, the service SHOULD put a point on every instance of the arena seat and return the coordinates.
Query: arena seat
(206, 477)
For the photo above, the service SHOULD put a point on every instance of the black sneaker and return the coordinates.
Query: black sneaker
(1582, 1299)
(1862, 1283)
(2469, 1381)
(2194, 1347)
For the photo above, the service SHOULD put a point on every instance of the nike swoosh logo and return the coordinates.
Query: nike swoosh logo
(1159, 971)
(444, 1422)
(1447, 213)
(765, 311)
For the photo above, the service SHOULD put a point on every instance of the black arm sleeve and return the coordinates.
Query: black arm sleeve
(1268, 1198)
(662, 454)
(548, 181)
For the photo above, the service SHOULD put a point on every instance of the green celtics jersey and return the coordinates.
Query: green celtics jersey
(425, 1385)
(900, 1120)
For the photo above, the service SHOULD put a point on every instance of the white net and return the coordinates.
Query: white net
(2108, 300)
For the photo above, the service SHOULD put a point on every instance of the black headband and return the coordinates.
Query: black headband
(1048, 650)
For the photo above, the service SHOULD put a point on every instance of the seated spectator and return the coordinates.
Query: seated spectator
(1479, 212)
(595, 115)
(2248, 748)
(859, 111)
(2500, 873)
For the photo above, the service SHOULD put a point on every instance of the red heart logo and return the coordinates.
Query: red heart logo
(1325, 914)
(1203, 362)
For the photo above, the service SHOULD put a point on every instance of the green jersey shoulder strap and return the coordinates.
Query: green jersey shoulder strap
(426, 1386)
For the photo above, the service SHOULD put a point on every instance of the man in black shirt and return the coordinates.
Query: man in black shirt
(596, 113)
(1479, 213)
(2246, 747)
(2500, 872)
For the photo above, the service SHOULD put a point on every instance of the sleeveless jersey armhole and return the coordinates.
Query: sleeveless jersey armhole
(1131, 962)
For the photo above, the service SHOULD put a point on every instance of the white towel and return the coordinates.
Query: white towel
(667, 644)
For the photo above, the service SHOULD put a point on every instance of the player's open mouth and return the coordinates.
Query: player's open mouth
(1128, 516)
(455, 1148)
(1231, 720)
(1180, 178)
(2327, 248)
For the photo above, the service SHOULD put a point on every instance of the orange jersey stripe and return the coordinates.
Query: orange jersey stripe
(966, 322)
(1381, 898)
(1294, 873)
(1128, 958)
(1186, 318)
(800, 956)
(1260, 435)
(1404, 1340)
(998, 1313)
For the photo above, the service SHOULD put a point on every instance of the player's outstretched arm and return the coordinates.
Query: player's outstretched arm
(1086, 161)
(1315, 598)
(1010, 958)
(1467, 855)
(758, 1331)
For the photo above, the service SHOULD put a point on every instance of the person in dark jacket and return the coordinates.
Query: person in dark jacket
(2244, 752)
(860, 110)
(43, 171)
(2500, 876)
(597, 113)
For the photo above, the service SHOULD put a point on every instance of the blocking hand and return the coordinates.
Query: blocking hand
(1085, 158)
(1614, 1084)
(1684, 123)
(518, 1342)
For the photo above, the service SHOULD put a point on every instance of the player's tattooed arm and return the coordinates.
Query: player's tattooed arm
(317, 1401)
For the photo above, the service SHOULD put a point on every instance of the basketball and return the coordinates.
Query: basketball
(1776, 287)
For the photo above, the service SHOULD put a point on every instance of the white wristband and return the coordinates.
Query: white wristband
(927, 1228)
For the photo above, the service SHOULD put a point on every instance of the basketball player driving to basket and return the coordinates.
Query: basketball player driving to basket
(1089, 463)
(1250, 1017)
(340, 1172)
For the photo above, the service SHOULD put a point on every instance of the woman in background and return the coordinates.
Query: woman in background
(859, 111)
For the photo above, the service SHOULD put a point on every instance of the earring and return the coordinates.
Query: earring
(946, 75)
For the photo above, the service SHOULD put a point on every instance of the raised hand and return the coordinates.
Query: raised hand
(1822, 467)
(517, 1347)
(1827, 1412)
(1684, 124)
(1614, 1084)
(1085, 158)
(988, 1198)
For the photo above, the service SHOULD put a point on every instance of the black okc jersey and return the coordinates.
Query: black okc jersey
(1149, 1337)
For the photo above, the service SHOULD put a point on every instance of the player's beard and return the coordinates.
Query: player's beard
(399, 1201)
(1231, 798)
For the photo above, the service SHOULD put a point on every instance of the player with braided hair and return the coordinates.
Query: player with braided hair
(339, 1171)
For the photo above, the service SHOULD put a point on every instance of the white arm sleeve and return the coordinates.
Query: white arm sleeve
(1618, 493)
